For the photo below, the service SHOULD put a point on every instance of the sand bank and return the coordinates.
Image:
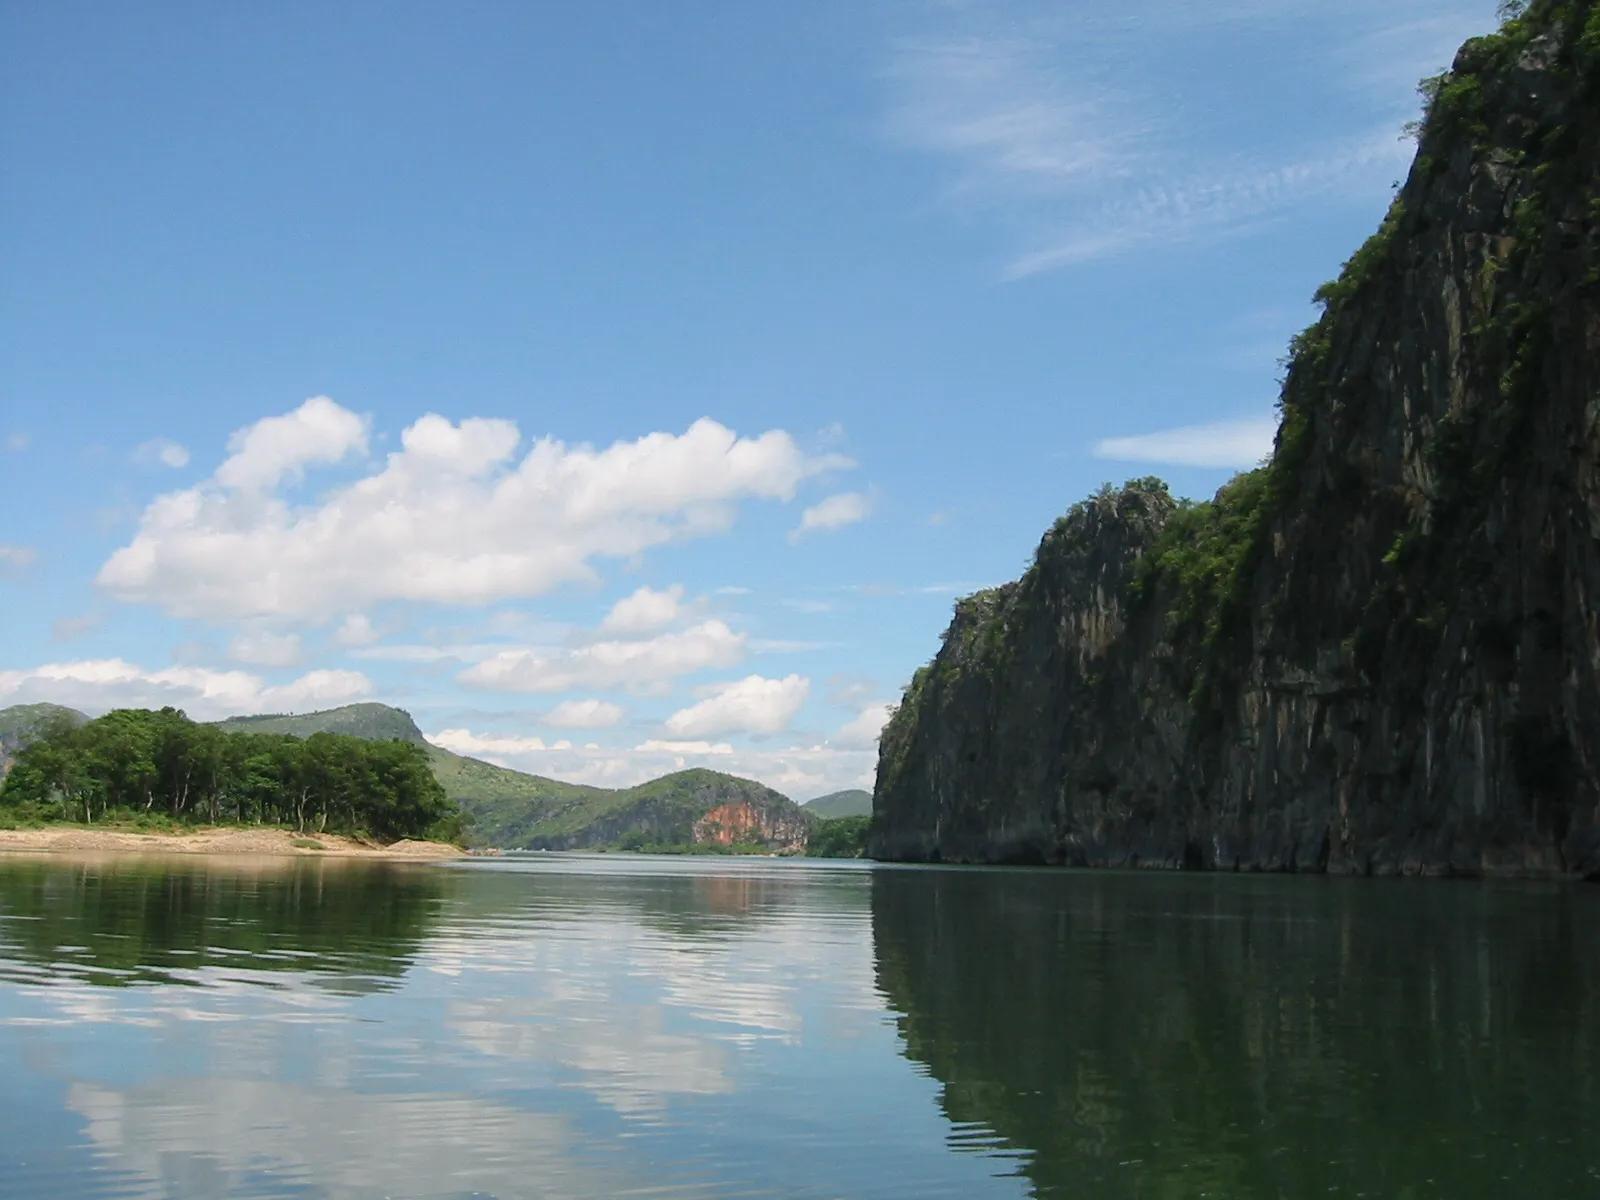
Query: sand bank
(220, 841)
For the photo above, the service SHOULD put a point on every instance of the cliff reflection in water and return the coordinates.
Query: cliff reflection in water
(1256, 1036)
(116, 920)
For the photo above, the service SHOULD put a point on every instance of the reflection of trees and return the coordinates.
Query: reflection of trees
(116, 920)
(1168, 1036)
(704, 899)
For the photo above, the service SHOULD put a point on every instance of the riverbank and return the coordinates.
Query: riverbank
(229, 840)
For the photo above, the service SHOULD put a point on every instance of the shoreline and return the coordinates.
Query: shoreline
(222, 840)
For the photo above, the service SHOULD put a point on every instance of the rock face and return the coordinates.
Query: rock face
(1381, 652)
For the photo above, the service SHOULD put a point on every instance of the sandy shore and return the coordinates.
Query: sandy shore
(221, 841)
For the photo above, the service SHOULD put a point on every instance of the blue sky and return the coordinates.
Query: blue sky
(624, 386)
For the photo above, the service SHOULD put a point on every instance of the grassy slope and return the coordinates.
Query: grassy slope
(852, 802)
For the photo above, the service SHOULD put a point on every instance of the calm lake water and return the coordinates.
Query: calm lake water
(572, 1026)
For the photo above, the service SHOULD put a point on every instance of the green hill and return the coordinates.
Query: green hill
(374, 722)
(852, 802)
(517, 811)
(689, 808)
(21, 723)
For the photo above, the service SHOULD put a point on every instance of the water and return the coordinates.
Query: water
(567, 1026)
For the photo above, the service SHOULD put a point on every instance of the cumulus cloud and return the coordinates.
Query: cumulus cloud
(161, 452)
(476, 745)
(1241, 443)
(584, 714)
(454, 516)
(668, 746)
(262, 648)
(863, 729)
(96, 685)
(610, 664)
(317, 433)
(753, 704)
(847, 508)
(646, 611)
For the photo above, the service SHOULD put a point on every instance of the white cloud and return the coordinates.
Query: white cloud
(162, 452)
(451, 517)
(699, 749)
(753, 704)
(1242, 443)
(96, 685)
(733, 590)
(610, 664)
(17, 442)
(317, 433)
(584, 714)
(356, 630)
(863, 729)
(646, 611)
(475, 745)
(262, 648)
(835, 512)
(16, 558)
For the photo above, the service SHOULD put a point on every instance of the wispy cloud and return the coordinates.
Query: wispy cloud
(161, 452)
(1090, 137)
(16, 558)
(1242, 443)
(846, 508)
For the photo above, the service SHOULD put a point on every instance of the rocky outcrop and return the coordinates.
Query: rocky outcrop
(741, 822)
(1381, 652)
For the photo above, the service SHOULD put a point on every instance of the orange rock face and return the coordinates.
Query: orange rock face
(741, 821)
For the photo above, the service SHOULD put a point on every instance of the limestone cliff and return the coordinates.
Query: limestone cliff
(1381, 652)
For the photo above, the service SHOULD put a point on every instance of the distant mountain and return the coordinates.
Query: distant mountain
(852, 802)
(688, 808)
(21, 723)
(374, 722)
(517, 811)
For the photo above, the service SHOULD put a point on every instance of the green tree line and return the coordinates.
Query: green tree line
(136, 762)
(839, 837)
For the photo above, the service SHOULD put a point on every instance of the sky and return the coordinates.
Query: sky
(623, 387)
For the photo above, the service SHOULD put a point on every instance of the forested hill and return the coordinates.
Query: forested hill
(1378, 653)
(852, 802)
